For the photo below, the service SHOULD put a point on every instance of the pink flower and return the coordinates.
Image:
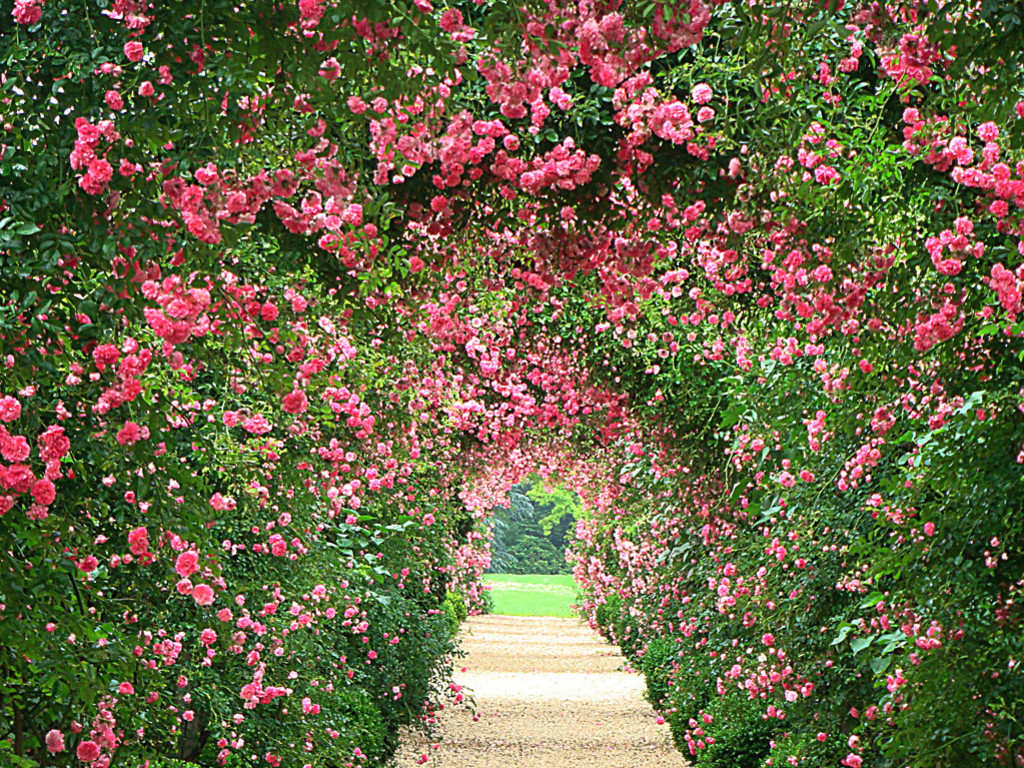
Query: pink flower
(207, 636)
(929, 529)
(416, 264)
(53, 444)
(768, 639)
(138, 541)
(10, 409)
(146, 89)
(356, 104)
(187, 564)
(88, 751)
(451, 20)
(27, 11)
(44, 492)
(89, 564)
(15, 449)
(55, 741)
(131, 433)
(701, 93)
(295, 401)
(126, 689)
(114, 100)
(133, 50)
(203, 594)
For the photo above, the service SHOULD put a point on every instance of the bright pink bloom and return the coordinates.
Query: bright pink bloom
(133, 50)
(55, 742)
(187, 564)
(44, 492)
(10, 408)
(88, 751)
(14, 449)
(701, 93)
(295, 401)
(114, 100)
(27, 11)
(203, 594)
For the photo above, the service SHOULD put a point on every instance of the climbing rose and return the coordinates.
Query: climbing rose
(27, 11)
(187, 564)
(114, 100)
(131, 433)
(207, 636)
(133, 50)
(295, 401)
(55, 741)
(15, 449)
(44, 492)
(10, 409)
(701, 93)
(138, 541)
(89, 564)
(88, 751)
(203, 594)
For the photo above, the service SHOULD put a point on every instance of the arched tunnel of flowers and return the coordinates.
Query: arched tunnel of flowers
(293, 293)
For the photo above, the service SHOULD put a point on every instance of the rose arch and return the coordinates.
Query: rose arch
(293, 292)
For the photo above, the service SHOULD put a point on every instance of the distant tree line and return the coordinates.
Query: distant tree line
(533, 530)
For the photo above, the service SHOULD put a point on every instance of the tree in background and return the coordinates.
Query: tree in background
(533, 531)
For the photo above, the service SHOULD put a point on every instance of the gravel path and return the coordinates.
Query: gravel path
(549, 694)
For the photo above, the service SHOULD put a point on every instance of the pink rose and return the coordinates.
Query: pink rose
(133, 50)
(15, 449)
(187, 564)
(295, 401)
(10, 408)
(44, 492)
(114, 100)
(88, 751)
(55, 742)
(203, 594)
(27, 12)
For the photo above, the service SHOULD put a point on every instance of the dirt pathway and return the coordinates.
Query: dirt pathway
(549, 694)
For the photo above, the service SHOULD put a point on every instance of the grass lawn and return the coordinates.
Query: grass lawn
(531, 595)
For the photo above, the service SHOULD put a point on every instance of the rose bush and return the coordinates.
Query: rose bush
(293, 294)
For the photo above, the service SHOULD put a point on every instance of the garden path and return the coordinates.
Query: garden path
(549, 694)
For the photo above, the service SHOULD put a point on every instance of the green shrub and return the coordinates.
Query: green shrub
(606, 615)
(455, 611)
(690, 688)
(805, 749)
(486, 603)
(660, 657)
(742, 737)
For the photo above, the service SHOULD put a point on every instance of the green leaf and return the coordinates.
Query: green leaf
(860, 643)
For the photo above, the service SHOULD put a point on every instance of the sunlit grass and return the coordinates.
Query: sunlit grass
(531, 595)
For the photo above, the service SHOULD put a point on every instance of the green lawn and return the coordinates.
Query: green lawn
(531, 595)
